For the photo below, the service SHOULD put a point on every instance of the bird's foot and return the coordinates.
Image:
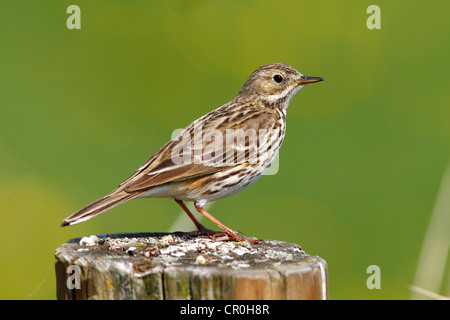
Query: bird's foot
(230, 235)
(215, 235)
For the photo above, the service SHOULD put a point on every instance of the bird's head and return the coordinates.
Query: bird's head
(275, 82)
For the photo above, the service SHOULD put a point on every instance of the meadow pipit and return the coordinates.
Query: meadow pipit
(217, 155)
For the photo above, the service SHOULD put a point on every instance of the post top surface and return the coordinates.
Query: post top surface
(179, 249)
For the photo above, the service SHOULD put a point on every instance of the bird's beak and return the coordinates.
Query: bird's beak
(305, 80)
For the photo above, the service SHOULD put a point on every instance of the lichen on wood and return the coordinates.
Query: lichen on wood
(179, 266)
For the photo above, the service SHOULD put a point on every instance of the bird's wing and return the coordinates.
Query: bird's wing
(164, 166)
(185, 157)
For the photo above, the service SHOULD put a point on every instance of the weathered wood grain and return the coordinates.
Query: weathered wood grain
(168, 266)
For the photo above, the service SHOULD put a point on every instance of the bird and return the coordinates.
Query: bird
(217, 155)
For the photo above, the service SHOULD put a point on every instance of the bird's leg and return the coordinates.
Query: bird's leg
(201, 228)
(191, 216)
(231, 233)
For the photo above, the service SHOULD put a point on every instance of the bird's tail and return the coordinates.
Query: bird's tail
(101, 205)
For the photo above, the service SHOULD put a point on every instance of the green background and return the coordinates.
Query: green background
(360, 166)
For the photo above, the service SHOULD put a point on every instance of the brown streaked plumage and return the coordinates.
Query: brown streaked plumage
(217, 155)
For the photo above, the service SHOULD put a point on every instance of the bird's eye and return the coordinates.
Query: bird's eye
(277, 78)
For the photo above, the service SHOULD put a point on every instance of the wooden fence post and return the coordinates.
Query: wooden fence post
(166, 266)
